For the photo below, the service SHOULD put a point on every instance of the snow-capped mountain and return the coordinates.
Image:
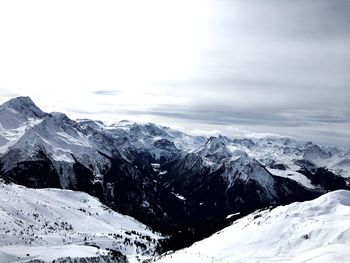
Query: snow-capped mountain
(171, 181)
(18, 111)
(294, 155)
(311, 231)
(48, 224)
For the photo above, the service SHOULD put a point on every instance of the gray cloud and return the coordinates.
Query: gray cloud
(299, 19)
(276, 66)
(221, 115)
(106, 92)
(281, 64)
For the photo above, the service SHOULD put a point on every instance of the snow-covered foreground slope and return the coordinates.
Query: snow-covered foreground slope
(47, 224)
(313, 231)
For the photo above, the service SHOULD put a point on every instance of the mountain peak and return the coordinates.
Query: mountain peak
(21, 100)
(24, 105)
(215, 143)
(214, 147)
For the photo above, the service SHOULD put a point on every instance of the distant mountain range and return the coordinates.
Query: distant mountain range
(181, 185)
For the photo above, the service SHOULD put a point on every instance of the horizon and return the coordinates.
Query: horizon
(204, 67)
(243, 134)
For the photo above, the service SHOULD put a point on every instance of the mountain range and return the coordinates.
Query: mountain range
(186, 187)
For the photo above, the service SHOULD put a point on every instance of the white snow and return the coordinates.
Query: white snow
(232, 215)
(245, 169)
(284, 150)
(155, 167)
(179, 196)
(298, 177)
(37, 221)
(10, 136)
(20, 253)
(313, 231)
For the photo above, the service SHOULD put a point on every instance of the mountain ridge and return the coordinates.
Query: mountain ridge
(171, 181)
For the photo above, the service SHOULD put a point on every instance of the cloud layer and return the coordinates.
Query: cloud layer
(262, 66)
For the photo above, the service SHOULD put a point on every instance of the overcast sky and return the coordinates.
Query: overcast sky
(235, 67)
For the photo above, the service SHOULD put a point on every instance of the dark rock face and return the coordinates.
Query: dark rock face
(325, 179)
(306, 165)
(208, 195)
(38, 173)
(165, 144)
(85, 181)
(134, 192)
(278, 166)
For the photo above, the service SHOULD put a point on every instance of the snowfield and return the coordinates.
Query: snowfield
(298, 177)
(47, 224)
(313, 231)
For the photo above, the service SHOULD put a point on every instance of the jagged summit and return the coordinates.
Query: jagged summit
(24, 105)
(214, 148)
(20, 100)
(17, 111)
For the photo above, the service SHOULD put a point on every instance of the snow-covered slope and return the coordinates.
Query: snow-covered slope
(312, 231)
(16, 116)
(236, 164)
(17, 111)
(47, 224)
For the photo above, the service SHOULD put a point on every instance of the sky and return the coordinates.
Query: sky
(239, 68)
